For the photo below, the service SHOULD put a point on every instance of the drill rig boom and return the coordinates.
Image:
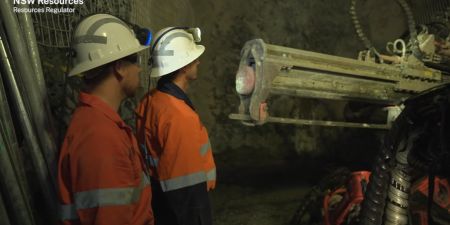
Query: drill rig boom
(269, 69)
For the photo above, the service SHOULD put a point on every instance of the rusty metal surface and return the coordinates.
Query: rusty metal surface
(288, 71)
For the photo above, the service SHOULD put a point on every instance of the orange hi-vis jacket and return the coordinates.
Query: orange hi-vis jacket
(180, 150)
(102, 178)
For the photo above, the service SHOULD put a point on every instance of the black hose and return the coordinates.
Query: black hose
(360, 32)
(372, 207)
(442, 31)
(412, 31)
(358, 27)
(437, 66)
(406, 33)
(444, 60)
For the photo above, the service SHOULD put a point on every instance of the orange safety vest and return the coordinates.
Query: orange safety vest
(101, 175)
(178, 143)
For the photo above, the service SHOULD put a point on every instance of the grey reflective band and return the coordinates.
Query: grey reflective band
(94, 27)
(211, 175)
(103, 197)
(91, 38)
(162, 50)
(183, 181)
(67, 212)
(153, 161)
(205, 147)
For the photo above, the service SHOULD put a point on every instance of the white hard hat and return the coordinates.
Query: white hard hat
(103, 38)
(173, 48)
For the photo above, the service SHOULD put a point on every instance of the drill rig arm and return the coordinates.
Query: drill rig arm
(269, 69)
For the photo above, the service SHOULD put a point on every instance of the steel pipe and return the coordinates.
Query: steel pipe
(13, 145)
(36, 101)
(26, 22)
(312, 122)
(45, 181)
(16, 155)
(3, 215)
(9, 180)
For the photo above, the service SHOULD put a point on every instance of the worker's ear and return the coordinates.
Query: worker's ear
(119, 69)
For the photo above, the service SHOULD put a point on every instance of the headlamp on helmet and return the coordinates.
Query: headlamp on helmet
(196, 33)
(142, 34)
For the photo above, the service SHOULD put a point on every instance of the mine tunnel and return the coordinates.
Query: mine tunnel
(325, 112)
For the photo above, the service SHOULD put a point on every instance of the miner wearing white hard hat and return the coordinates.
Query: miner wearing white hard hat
(182, 168)
(102, 177)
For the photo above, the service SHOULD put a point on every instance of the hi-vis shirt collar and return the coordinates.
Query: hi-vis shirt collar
(93, 101)
(173, 89)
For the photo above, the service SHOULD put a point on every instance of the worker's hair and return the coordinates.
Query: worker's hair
(98, 75)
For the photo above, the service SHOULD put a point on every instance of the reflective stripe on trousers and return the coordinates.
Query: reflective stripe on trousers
(101, 198)
(203, 150)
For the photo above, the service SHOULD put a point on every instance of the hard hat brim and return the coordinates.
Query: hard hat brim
(158, 71)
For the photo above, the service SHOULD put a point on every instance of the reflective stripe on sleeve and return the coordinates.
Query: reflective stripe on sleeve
(103, 197)
(183, 181)
(153, 161)
(205, 147)
(67, 212)
(211, 175)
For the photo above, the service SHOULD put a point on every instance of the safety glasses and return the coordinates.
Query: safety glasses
(135, 59)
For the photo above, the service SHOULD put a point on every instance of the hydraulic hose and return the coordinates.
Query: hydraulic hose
(390, 176)
(412, 31)
(360, 32)
(396, 209)
(437, 66)
(372, 206)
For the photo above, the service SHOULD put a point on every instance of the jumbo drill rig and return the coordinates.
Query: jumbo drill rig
(409, 181)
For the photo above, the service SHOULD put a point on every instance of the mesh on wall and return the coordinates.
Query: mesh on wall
(55, 30)
(430, 11)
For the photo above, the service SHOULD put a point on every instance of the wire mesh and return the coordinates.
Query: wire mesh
(54, 31)
(430, 11)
